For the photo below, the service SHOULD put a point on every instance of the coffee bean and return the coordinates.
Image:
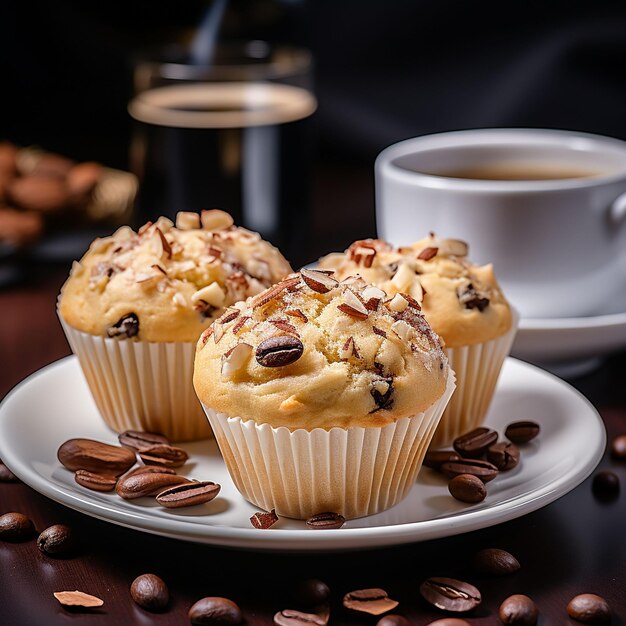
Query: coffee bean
(95, 456)
(78, 598)
(150, 592)
(149, 469)
(125, 328)
(310, 593)
(605, 485)
(449, 621)
(57, 540)
(589, 608)
(473, 444)
(373, 601)
(163, 454)
(215, 611)
(467, 488)
(436, 458)
(476, 467)
(264, 519)
(503, 455)
(289, 617)
(146, 484)
(393, 620)
(451, 595)
(6, 475)
(97, 481)
(137, 439)
(279, 351)
(15, 527)
(495, 562)
(326, 520)
(519, 610)
(618, 448)
(188, 494)
(522, 432)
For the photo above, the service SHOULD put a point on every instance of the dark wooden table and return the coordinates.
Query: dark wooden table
(575, 545)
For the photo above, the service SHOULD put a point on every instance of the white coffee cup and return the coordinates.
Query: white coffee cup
(557, 243)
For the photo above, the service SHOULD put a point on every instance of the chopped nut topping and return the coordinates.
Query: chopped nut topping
(144, 277)
(298, 314)
(211, 294)
(186, 220)
(403, 277)
(398, 303)
(352, 306)
(218, 331)
(164, 224)
(453, 247)
(284, 325)
(402, 329)
(161, 245)
(215, 219)
(157, 268)
(318, 281)
(144, 229)
(235, 359)
(379, 331)
(273, 292)
(417, 291)
(349, 350)
(179, 300)
(362, 254)
(371, 292)
(264, 520)
(428, 253)
(229, 315)
(205, 335)
(240, 323)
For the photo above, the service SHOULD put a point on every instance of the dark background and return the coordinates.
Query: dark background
(385, 71)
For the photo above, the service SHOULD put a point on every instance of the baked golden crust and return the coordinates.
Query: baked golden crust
(311, 352)
(174, 280)
(461, 301)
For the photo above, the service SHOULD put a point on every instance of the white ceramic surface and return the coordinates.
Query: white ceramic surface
(557, 245)
(54, 405)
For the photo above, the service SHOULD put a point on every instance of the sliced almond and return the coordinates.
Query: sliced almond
(186, 266)
(187, 220)
(349, 350)
(218, 331)
(160, 245)
(123, 233)
(204, 337)
(453, 247)
(417, 292)
(164, 224)
(403, 278)
(398, 303)
(379, 331)
(318, 281)
(179, 300)
(215, 219)
(236, 359)
(157, 268)
(297, 313)
(77, 269)
(145, 277)
(273, 292)
(363, 255)
(353, 301)
(428, 253)
(229, 315)
(77, 598)
(240, 323)
(285, 326)
(372, 292)
(348, 310)
(402, 329)
(211, 294)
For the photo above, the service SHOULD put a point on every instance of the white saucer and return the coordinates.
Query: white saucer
(555, 342)
(54, 405)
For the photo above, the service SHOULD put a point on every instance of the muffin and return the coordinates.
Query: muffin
(462, 302)
(136, 303)
(323, 396)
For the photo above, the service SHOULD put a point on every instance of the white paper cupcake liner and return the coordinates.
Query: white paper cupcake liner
(140, 385)
(477, 369)
(352, 471)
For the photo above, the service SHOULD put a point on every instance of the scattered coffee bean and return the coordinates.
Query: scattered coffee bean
(264, 519)
(279, 351)
(451, 595)
(519, 610)
(467, 488)
(78, 598)
(163, 454)
(618, 448)
(372, 601)
(589, 608)
(15, 527)
(150, 592)
(95, 456)
(605, 485)
(477, 467)
(6, 475)
(522, 432)
(326, 520)
(57, 540)
(311, 592)
(137, 439)
(473, 444)
(393, 620)
(436, 458)
(149, 469)
(503, 455)
(289, 617)
(147, 484)
(215, 611)
(125, 328)
(495, 562)
(449, 621)
(188, 494)
(97, 481)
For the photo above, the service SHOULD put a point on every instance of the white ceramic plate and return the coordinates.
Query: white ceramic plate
(54, 405)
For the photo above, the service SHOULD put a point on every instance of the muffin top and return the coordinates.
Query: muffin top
(312, 352)
(167, 283)
(462, 301)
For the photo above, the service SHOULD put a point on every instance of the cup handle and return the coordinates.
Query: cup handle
(617, 210)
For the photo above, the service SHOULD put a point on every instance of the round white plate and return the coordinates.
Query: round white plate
(54, 405)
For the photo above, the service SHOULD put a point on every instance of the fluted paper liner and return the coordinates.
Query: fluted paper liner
(477, 369)
(353, 471)
(141, 385)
